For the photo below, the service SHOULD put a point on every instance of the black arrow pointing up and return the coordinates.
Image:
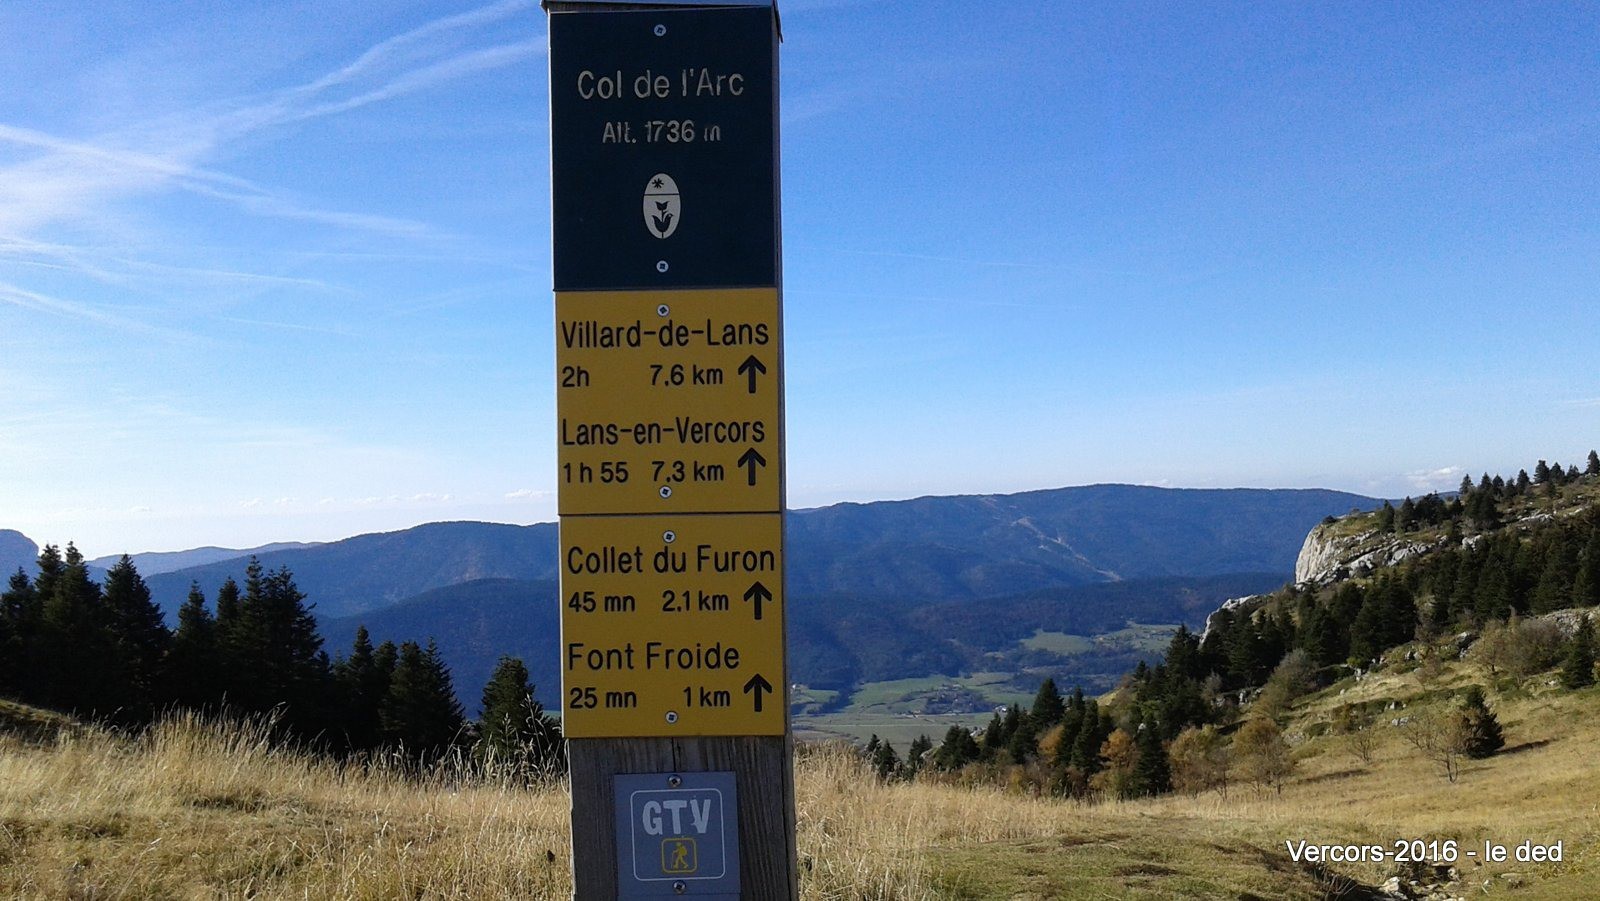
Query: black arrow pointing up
(751, 459)
(758, 593)
(757, 685)
(752, 367)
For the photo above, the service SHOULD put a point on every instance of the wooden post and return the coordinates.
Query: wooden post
(668, 281)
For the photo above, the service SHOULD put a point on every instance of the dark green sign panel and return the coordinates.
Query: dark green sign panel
(662, 133)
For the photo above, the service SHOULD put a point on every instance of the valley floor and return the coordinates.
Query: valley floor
(191, 810)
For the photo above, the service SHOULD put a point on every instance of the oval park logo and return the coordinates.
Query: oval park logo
(662, 206)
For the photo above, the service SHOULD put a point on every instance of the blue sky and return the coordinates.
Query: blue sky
(280, 271)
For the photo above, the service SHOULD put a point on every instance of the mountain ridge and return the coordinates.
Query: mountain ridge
(932, 548)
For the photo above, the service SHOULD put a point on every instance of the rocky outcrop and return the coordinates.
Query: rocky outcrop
(1327, 556)
(1238, 607)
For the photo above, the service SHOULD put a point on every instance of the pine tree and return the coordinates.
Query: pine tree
(993, 737)
(1023, 743)
(1577, 669)
(420, 713)
(77, 646)
(1541, 473)
(917, 755)
(20, 613)
(363, 681)
(1183, 655)
(1093, 733)
(1554, 588)
(885, 762)
(140, 639)
(1481, 727)
(1572, 473)
(957, 750)
(1586, 584)
(1406, 518)
(1523, 482)
(194, 670)
(280, 651)
(515, 733)
(1593, 469)
(1386, 517)
(230, 640)
(1152, 773)
(1466, 486)
(1048, 707)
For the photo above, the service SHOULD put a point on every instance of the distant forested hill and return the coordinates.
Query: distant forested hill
(928, 549)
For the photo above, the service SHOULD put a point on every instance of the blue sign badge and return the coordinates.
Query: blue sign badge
(677, 835)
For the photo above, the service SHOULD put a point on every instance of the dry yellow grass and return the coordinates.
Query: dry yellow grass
(197, 810)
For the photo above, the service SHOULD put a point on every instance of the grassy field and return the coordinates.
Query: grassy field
(196, 810)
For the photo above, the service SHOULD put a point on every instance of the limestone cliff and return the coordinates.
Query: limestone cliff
(1332, 551)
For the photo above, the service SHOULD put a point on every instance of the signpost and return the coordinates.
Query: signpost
(669, 372)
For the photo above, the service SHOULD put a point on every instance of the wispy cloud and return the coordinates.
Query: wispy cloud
(75, 181)
(1442, 479)
(80, 183)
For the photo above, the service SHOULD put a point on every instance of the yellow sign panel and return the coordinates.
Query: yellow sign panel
(668, 401)
(672, 625)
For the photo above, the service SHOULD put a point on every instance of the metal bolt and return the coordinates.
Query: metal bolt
(672, 717)
(660, 30)
(674, 780)
(669, 536)
(661, 266)
(679, 888)
(666, 491)
(663, 310)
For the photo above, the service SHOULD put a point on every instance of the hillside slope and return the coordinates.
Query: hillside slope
(929, 549)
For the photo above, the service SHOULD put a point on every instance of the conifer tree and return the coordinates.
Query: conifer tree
(1183, 655)
(281, 651)
(1593, 469)
(514, 731)
(20, 614)
(1152, 772)
(1554, 588)
(957, 750)
(1586, 583)
(1577, 668)
(1572, 473)
(1406, 518)
(1386, 517)
(917, 755)
(1466, 486)
(363, 682)
(77, 646)
(993, 737)
(1023, 742)
(885, 762)
(194, 670)
(1093, 733)
(1523, 482)
(420, 712)
(230, 640)
(1482, 729)
(1541, 473)
(1048, 707)
(139, 639)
